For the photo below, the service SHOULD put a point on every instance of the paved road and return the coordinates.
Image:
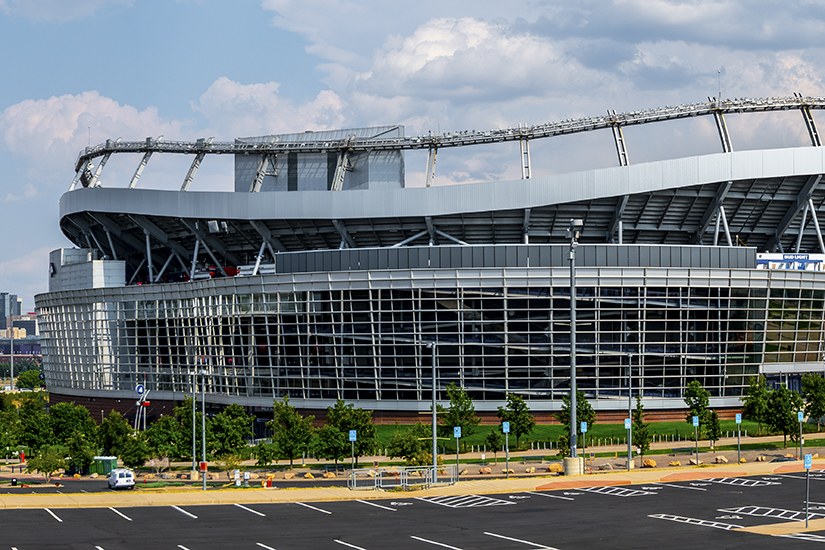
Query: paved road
(674, 515)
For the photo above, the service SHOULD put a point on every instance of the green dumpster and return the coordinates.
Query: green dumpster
(102, 465)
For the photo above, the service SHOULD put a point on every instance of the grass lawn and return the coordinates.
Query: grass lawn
(597, 434)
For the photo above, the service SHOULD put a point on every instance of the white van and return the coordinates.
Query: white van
(121, 478)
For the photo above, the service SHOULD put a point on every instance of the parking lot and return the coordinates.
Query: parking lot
(684, 514)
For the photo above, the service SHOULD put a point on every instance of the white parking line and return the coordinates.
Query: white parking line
(694, 521)
(182, 511)
(377, 505)
(543, 547)
(680, 486)
(99, 548)
(182, 547)
(121, 514)
(53, 515)
(348, 544)
(436, 543)
(242, 507)
(550, 496)
(312, 507)
(262, 545)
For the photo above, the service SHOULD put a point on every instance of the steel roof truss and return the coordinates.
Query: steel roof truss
(801, 200)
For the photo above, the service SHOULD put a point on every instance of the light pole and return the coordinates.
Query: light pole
(203, 422)
(629, 411)
(194, 449)
(431, 345)
(11, 350)
(574, 231)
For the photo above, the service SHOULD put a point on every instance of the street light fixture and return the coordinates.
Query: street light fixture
(574, 232)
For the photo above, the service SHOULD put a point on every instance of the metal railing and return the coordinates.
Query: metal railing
(403, 478)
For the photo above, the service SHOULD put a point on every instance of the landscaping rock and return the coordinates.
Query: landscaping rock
(371, 473)
(742, 461)
(463, 472)
(309, 475)
(506, 471)
(721, 459)
(606, 466)
(694, 462)
(289, 475)
(485, 470)
(555, 468)
(530, 470)
(675, 463)
(329, 475)
(94, 476)
(649, 463)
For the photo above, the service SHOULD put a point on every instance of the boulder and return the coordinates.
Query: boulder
(309, 475)
(463, 472)
(694, 462)
(761, 458)
(555, 468)
(393, 472)
(815, 455)
(790, 455)
(166, 476)
(94, 476)
(371, 473)
(485, 470)
(329, 475)
(253, 475)
(149, 476)
(531, 470)
(675, 463)
(214, 477)
(720, 459)
(742, 461)
(649, 463)
(289, 475)
(506, 471)
(606, 466)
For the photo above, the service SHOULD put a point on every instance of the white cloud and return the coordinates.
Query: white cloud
(239, 110)
(26, 275)
(29, 192)
(59, 11)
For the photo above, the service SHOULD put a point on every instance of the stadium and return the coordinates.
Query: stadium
(323, 276)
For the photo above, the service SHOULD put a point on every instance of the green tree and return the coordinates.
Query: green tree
(230, 430)
(292, 432)
(411, 444)
(517, 413)
(135, 452)
(714, 430)
(183, 413)
(67, 419)
(697, 400)
(332, 444)
(641, 429)
(35, 428)
(755, 401)
(81, 451)
(346, 417)
(494, 441)
(112, 433)
(813, 391)
(47, 461)
(230, 462)
(29, 379)
(584, 413)
(163, 437)
(9, 430)
(460, 414)
(783, 406)
(266, 453)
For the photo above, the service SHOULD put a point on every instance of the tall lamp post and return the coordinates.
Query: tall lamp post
(431, 345)
(194, 449)
(629, 411)
(574, 232)
(10, 325)
(203, 422)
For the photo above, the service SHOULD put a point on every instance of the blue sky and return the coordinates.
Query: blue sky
(75, 71)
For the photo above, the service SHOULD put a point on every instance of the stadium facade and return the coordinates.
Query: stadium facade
(323, 277)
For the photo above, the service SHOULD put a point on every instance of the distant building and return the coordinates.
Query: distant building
(27, 322)
(10, 305)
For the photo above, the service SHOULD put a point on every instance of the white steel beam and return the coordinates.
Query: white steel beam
(433, 151)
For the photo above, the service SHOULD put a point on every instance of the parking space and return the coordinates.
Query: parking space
(680, 514)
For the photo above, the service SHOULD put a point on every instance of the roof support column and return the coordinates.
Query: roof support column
(430, 229)
(810, 123)
(343, 165)
(96, 175)
(137, 270)
(194, 260)
(616, 219)
(525, 227)
(618, 137)
(801, 200)
(410, 239)
(196, 163)
(816, 225)
(266, 161)
(723, 131)
(258, 259)
(149, 255)
(165, 265)
(111, 245)
(346, 240)
(802, 227)
(720, 216)
(433, 151)
(450, 237)
(525, 158)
